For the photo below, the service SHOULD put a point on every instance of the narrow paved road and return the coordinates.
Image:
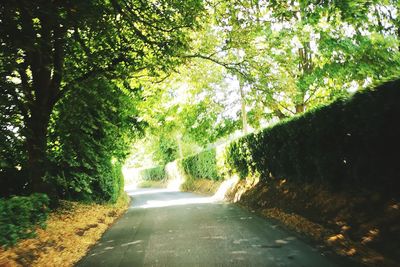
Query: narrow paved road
(164, 228)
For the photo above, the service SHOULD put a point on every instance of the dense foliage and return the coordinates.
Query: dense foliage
(90, 138)
(350, 142)
(80, 79)
(47, 49)
(293, 55)
(182, 122)
(258, 62)
(153, 174)
(19, 216)
(347, 143)
(202, 165)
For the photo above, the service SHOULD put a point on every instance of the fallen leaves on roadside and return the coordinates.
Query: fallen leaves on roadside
(338, 242)
(335, 238)
(71, 230)
(202, 186)
(296, 222)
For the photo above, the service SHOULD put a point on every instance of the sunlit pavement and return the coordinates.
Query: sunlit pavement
(164, 227)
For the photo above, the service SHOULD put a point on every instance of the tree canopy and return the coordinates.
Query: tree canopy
(49, 48)
(85, 83)
(259, 62)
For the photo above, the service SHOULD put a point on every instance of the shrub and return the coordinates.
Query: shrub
(20, 215)
(153, 174)
(90, 136)
(349, 142)
(201, 165)
(109, 184)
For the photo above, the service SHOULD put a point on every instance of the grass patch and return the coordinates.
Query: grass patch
(150, 184)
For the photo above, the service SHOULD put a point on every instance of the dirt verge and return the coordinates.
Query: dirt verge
(358, 224)
(71, 230)
(202, 186)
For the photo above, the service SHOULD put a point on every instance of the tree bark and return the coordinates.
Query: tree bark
(243, 108)
(279, 114)
(300, 108)
(36, 145)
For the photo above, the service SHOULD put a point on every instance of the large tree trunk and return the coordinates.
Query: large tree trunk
(46, 64)
(36, 145)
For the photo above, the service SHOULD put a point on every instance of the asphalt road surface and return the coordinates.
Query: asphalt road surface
(166, 228)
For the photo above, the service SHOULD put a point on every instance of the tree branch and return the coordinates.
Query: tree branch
(93, 73)
(78, 38)
(277, 104)
(216, 61)
(310, 96)
(138, 33)
(25, 81)
(151, 24)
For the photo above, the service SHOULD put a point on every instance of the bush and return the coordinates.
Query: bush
(109, 184)
(349, 142)
(19, 217)
(153, 174)
(90, 137)
(202, 165)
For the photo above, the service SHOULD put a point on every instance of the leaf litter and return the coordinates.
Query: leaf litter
(71, 231)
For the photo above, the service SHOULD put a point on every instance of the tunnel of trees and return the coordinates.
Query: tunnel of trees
(88, 86)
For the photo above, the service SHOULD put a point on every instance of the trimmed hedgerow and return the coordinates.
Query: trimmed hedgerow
(353, 141)
(20, 215)
(153, 174)
(202, 165)
(85, 155)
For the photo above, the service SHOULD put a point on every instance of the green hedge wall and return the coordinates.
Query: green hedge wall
(85, 156)
(201, 165)
(110, 185)
(351, 141)
(19, 216)
(153, 174)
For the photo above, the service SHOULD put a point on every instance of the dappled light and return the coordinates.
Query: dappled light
(244, 186)
(156, 119)
(335, 238)
(217, 197)
(351, 252)
(139, 191)
(281, 241)
(224, 187)
(131, 243)
(370, 236)
(176, 202)
(70, 231)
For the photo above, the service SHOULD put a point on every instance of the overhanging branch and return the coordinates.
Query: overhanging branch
(232, 67)
(93, 73)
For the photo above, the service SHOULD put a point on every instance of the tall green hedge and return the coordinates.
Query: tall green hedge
(90, 136)
(353, 141)
(153, 174)
(19, 216)
(350, 142)
(201, 165)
